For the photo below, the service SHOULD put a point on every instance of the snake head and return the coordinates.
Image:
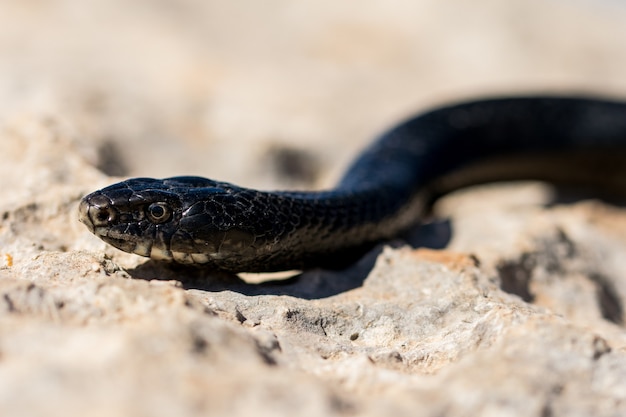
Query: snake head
(188, 220)
(136, 216)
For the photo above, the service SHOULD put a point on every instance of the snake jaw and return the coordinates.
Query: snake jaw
(129, 246)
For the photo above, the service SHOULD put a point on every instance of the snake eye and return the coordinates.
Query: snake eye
(158, 213)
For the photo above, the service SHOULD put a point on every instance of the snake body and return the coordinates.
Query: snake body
(193, 220)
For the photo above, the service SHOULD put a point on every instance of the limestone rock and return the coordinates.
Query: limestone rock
(522, 313)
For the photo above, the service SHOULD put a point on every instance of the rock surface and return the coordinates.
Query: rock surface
(522, 313)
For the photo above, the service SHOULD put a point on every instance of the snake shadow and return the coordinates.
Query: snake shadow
(310, 284)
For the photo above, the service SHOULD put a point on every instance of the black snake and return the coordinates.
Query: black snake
(192, 220)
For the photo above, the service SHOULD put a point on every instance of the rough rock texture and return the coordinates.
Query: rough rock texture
(522, 313)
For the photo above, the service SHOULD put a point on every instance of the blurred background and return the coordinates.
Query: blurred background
(279, 93)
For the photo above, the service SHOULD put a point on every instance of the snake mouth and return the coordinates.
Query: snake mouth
(122, 244)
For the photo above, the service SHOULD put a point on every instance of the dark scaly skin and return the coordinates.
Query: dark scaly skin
(194, 220)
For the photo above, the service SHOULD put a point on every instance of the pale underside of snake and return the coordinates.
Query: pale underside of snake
(385, 192)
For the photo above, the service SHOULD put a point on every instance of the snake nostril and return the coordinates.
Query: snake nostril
(101, 216)
(96, 210)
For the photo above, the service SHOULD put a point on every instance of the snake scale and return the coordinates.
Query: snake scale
(386, 190)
